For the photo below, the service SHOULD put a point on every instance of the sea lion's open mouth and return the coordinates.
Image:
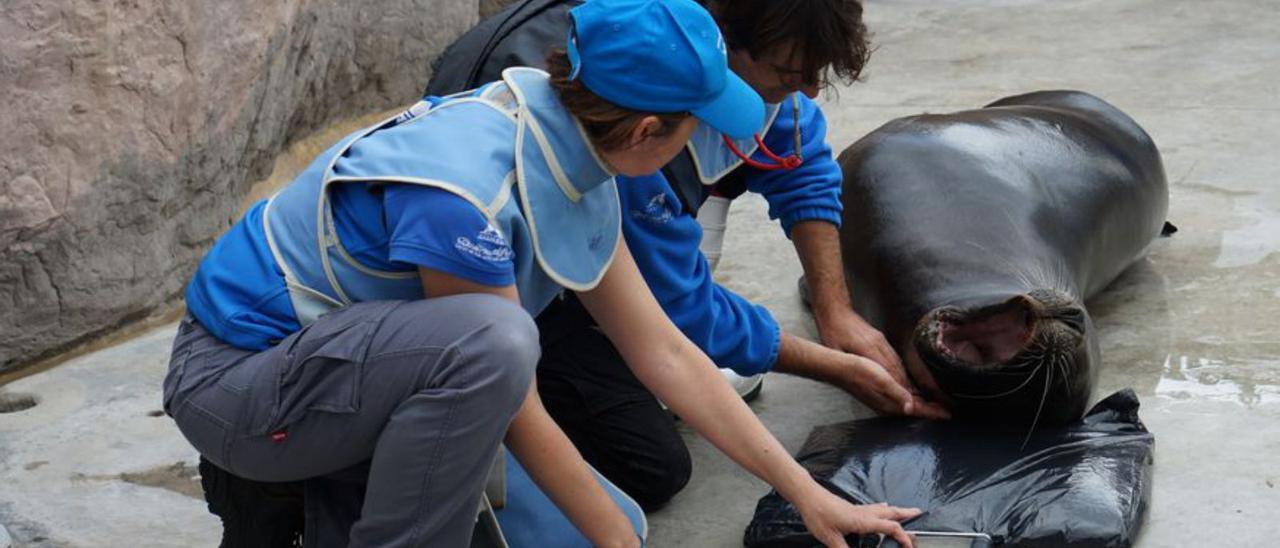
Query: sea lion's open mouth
(1015, 356)
(985, 337)
(992, 339)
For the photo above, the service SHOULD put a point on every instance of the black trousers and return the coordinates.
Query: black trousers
(613, 420)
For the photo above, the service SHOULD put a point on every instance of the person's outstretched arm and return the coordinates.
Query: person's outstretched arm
(686, 380)
(806, 201)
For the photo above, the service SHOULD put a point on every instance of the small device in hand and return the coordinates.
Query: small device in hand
(938, 539)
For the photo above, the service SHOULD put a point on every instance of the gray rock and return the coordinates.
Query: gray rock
(134, 129)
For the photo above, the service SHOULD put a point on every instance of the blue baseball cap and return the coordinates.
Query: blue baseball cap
(661, 56)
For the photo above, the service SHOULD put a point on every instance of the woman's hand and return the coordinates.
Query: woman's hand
(864, 379)
(829, 518)
(880, 390)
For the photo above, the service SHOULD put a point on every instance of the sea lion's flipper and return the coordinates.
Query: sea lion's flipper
(1168, 229)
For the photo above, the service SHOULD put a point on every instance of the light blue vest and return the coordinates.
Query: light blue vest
(508, 148)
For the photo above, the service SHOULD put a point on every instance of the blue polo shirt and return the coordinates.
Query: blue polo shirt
(421, 226)
(392, 227)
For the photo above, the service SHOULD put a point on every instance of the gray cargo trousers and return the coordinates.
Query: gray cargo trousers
(422, 390)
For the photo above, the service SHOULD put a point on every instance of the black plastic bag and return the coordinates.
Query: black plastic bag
(1083, 485)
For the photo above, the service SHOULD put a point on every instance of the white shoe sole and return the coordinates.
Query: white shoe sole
(747, 387)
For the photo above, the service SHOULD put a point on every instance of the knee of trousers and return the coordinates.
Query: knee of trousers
(670, 477)
(493, 340)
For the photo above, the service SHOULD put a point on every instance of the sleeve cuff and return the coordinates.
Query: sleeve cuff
(767, 364)
(428, 258)
(809, 214)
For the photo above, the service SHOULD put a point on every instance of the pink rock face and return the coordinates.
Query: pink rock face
(24, 204)
(132, 130)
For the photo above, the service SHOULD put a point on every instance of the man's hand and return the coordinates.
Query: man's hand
(866, 365)
(864, 379)
(846, 331)
(873, 385)
(839, 327)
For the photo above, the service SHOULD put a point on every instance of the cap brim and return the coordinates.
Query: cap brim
(737, 112)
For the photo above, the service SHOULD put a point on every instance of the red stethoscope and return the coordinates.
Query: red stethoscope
(789, 163)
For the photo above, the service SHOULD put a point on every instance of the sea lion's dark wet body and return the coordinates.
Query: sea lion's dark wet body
(972, 239)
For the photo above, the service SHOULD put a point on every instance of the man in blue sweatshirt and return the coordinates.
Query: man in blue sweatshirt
(787, 51)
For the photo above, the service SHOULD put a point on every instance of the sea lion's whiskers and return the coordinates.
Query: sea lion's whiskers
(1061, 360)
(1061, 276)
(1048, 376)
(1055, 276)
(1002, 394)
(1025, 276)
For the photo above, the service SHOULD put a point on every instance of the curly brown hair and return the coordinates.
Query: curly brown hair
(829, 36)
(609, 126)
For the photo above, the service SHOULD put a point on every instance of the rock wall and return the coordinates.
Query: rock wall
(490, 7)
(132, 129)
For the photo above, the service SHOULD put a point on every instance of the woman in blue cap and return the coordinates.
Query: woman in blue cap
(377, 309)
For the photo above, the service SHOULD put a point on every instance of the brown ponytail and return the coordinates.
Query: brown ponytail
(609, 126)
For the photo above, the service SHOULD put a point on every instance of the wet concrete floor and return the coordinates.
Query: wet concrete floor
(1194, 328)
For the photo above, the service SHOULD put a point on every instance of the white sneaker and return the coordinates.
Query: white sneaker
(747, 387)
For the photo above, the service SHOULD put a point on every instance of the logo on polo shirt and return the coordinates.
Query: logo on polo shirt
(655, 211)
(491, 235)
(489, 245)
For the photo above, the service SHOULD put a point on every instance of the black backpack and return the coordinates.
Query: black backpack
(519, 35)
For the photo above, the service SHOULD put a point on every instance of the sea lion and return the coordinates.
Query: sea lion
(972, 240)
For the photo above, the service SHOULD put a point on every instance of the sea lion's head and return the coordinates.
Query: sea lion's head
(1026, 359)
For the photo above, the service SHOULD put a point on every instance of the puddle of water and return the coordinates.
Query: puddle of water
(14, 402)
(1248, 382)
(179, 477)
(1253, 243)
